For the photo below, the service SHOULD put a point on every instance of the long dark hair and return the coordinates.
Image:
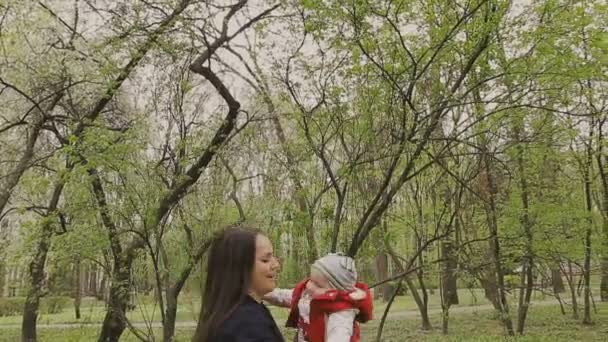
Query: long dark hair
(229, 268)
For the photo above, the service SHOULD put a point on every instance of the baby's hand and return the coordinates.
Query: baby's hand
(279, 297)
(358, 294)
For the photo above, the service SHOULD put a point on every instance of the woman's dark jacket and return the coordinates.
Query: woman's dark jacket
(250, 322)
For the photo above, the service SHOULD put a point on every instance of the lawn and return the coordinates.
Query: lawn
(471, 320)
(544, 324)
(93, 311)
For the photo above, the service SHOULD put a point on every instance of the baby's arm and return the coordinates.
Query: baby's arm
(279, 297)
(339, 326)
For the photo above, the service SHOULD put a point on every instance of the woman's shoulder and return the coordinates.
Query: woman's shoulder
(250, 321)
(248, 311)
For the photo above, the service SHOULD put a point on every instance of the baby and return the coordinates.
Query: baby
(327, 306)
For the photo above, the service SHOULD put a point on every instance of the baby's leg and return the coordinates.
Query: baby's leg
(339, 327)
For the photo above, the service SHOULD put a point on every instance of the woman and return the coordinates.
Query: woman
(241, 269)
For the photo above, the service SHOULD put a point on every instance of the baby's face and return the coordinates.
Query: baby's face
(318, 284)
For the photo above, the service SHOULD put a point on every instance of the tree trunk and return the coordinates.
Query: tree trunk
(381, 268)
(449, 289)
(426, 323)
(102, 291)
(420, 303)
(2, 274)
(604, 280)
(557, 281)
(312, 242)
(424, 311)
(501, 299)
(449, 293)
(337, 221)
(589, 207)
(571, 281)
(92, 285)
(487, 280)
(527, 272)
(114, 322)
(602, 162)
(77, 288)
(445, 318)
(170, 315)
(587, 275)
(36, 288)
(525, 294)
(172, 292)
(36, 270)
(387, 309)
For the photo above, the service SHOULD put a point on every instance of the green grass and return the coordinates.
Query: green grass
(93, 311)
(545, 324)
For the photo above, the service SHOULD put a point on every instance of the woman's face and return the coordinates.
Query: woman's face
(265, 267)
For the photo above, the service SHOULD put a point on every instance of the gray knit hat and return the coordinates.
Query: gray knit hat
(339, 270)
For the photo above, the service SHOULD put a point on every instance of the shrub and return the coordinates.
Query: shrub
(54, 304)
(11, 306)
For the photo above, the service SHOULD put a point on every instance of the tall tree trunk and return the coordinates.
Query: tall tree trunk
(420, 303)
(525, 294)
(604, 279)
(170, 314)
(114, 322)
(36, 288)
(527, 274)
(310, 238)
(604, 263)
(426, 322)
(449, 289)
(570, 279)
(381, 270)
(92, 285)
(602, 162)
(172, 292)
(36, 270)
(556, 280)
(2, 272)
(77, 288)
(589, 207)
(449, 293)
(102, 290)
(587, 263)
(501, 300)
(487, 279)
(337, 220)
(424, 310)
(445, 319)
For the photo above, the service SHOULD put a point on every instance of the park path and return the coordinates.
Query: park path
(192, 324)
